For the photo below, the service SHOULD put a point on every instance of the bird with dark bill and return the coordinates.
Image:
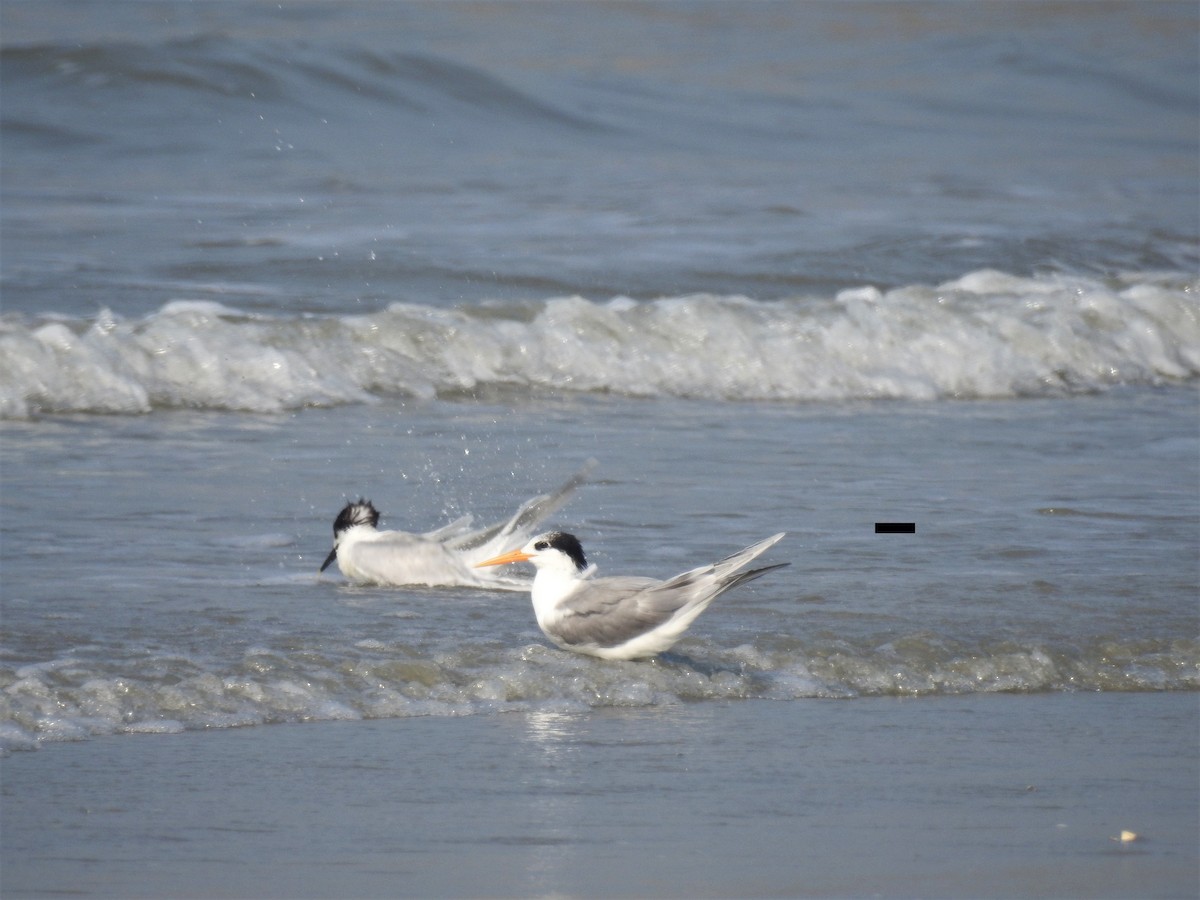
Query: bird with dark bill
(621, 617)
(441, 558)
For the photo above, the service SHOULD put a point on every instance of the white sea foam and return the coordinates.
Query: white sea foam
(52, 703)
(986, 334)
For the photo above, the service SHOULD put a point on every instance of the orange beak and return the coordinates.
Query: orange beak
(515, 556)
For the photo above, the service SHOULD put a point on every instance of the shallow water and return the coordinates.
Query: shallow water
(1054, 550)
(934, 797)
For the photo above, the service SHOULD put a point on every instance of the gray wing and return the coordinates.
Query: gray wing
(610, 611)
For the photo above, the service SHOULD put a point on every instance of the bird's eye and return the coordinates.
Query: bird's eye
(542, 545)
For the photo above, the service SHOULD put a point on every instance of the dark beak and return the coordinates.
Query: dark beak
(329, 559)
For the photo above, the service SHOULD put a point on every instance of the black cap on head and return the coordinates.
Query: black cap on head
(567, 543)
(360, 513)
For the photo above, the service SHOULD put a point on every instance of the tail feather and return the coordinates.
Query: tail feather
(742, 577)
(744, 556)
(724, 570)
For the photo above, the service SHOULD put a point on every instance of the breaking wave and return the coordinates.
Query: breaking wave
(72, 698)
(985, 335)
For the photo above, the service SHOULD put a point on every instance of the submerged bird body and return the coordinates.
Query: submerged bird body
(445, 557)
(621, 617)
(369, 556)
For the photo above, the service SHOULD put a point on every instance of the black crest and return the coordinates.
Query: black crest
(360, 513)
(567, 543)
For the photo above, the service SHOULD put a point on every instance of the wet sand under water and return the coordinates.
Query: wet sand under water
(980, 796)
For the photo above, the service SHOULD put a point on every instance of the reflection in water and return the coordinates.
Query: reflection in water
(589, 777)
(553, 796)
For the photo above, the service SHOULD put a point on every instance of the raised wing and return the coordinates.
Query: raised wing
(493, 539)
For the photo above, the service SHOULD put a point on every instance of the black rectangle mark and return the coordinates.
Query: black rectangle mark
(895, 527)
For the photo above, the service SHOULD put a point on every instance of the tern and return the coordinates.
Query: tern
(444, 557)
(621, 617)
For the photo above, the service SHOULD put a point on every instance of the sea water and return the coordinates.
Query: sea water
(799, 267)
(966, 796)
(161, 571)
